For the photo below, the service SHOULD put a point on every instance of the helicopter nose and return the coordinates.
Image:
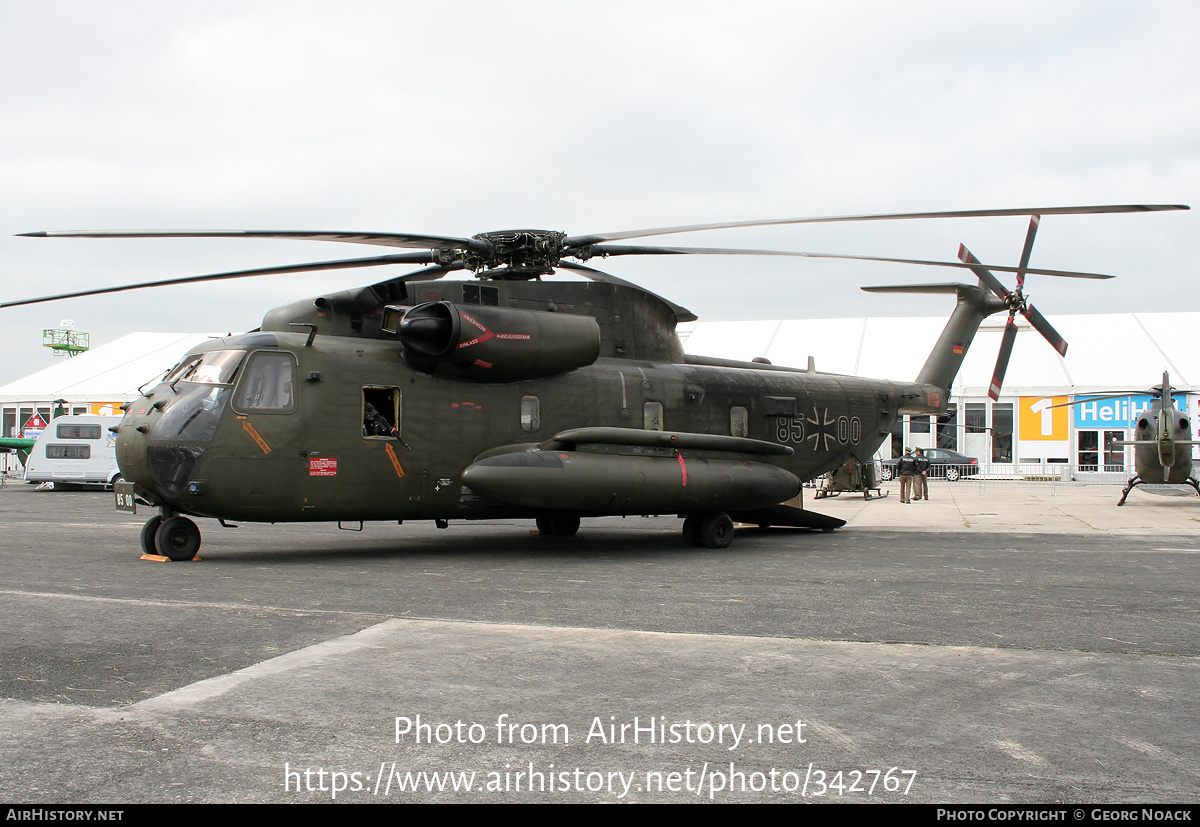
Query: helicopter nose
(132, 441)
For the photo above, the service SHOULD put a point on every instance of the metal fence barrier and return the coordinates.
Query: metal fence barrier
(1027, 475)
(1041, 475)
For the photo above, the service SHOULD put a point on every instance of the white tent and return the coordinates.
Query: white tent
(1110, 351)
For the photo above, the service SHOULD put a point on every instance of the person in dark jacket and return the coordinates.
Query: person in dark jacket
(907, 468)
(920, 476)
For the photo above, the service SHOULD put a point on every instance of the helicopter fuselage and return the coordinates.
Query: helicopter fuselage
(1162, 440)
(319, 416)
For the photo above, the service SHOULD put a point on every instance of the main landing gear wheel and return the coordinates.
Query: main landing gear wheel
(708, 529)
(177, 538)
(149, 530)
(557, 526)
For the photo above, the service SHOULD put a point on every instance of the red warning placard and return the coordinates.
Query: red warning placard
(322, 467)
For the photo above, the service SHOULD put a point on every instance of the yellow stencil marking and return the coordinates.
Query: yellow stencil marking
(395, 462)
(262, 443)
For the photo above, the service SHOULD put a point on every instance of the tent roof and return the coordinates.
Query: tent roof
(107, 373)
(1106, 351)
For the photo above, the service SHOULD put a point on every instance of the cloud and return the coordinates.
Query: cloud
(461, 117)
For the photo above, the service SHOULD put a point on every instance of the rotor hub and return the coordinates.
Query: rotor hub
(516, 254)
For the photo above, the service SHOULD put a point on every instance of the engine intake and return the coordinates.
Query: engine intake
(495, 344)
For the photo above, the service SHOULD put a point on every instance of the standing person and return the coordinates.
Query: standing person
(907, 467)
(920, 476)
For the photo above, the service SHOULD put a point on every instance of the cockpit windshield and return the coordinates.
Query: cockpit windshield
(217, 367)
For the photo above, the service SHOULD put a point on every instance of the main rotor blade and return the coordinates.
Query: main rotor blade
(583, 240)
(1043, 327)
(1097, 397)
(1034, 220)
(682, 314)
(1006, 346)
(972, 264)
(398, 258)
(378, 239)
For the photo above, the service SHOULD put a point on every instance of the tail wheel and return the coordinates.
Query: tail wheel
(177, 538)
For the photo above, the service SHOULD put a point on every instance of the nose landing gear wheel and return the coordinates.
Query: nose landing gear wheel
(149, 530)
(177, 538)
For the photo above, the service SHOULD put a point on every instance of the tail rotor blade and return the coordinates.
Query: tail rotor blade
(985, 275)
(1006, 346)
(1034, 220)
(1043, 327)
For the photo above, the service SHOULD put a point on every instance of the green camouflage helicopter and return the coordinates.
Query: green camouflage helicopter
(1162, 440)
(512, 397)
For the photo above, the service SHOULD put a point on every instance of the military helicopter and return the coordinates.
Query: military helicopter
(1162, 429)
(509, 396)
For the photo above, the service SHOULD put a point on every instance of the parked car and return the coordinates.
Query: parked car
(942, 463)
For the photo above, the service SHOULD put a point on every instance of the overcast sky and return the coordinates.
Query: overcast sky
(460, 117)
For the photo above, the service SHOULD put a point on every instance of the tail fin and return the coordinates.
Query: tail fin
(974, 305)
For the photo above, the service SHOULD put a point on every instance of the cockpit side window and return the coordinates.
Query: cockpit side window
(268, 385)
(217, 367)
(182, 369)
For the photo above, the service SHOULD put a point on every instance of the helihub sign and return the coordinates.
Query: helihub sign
(1121, 412)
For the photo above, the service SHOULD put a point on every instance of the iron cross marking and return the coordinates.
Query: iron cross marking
(822, 431)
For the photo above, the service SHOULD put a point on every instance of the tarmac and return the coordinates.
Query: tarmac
(1008, 506)
(999, 644)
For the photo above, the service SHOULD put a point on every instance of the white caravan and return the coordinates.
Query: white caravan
(75, 449)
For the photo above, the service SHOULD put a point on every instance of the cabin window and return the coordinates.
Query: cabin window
(652, 416)
(268, 384)
(531, 414)
(739, 422)
(381, 412)
(68, 452)
(77, 432)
